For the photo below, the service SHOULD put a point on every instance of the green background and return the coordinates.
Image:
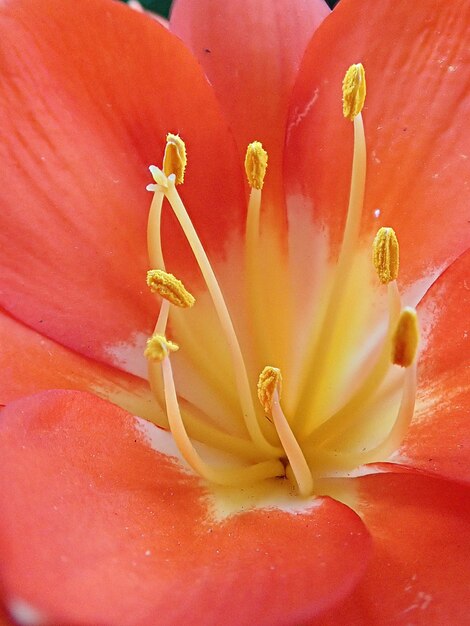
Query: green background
(163, 6)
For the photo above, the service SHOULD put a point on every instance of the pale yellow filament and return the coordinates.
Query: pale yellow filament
(314, 371)
(196, 422)
(255, 286)
(294, 454)
(325, 460)
(267, 281)
(219, 475)
(154, 243)
(345, 417)
(199, 429)
(269, 391)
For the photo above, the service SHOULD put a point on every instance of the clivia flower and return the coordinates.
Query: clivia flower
(301, 342)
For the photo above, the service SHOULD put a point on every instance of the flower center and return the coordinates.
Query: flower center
(314, 435)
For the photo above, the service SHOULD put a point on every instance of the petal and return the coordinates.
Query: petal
(90, 511)
(421, 567)
(439, 437)
(4, 621)
(83, 112)
(30, 363)
(251, 51)
(415, 121)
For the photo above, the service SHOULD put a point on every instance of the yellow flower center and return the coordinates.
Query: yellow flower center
(332, 416)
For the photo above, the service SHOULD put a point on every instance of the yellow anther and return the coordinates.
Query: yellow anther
(159, 347)
(174, 159)
(170, 288)
(386, 255)
(354, 91)
(269, 381)
(406, 337)
(256, 162)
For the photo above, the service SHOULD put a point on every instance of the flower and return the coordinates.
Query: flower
(96, 525)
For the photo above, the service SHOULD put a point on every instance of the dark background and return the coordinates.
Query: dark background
(163, 6)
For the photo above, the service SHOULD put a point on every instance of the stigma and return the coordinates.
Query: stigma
(333, 414)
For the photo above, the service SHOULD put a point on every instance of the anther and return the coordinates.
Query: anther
(405, 339)
(354, 91)
(256, 162)
(174, 159)
(270, 380)
(386, 255)
(159, 347)
(170, 288)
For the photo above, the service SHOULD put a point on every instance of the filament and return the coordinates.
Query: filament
(241, 376)
(219, 475)
(317, 355)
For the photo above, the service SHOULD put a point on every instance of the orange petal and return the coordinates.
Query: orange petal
(30, 363)
(86, 101)
(418, 93)
(439, 437)
(421, 567)
(97, 527)
(251, 52)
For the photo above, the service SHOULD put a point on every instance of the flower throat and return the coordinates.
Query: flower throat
(308, 440)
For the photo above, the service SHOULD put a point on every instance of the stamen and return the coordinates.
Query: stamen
(169, 288)
(241, 376)
(354, 91)
(174, 159)
(405, 339)
(158, 347)
(318, 350)
(269, 389)
(386, 255)
(255, 168)
(256, 162)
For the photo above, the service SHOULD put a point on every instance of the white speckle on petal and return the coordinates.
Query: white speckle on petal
(375, 157)
(129, 355)
(298, 116)
(26, 614)
(158, 439)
